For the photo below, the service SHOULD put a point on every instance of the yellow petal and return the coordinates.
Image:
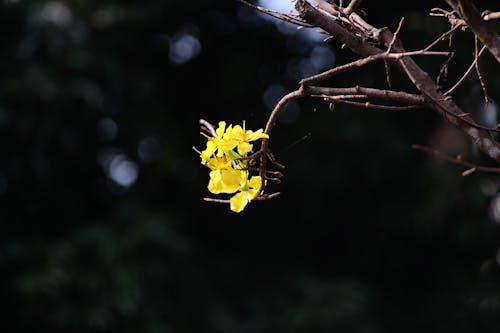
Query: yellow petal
(244, 148)
(229, 131)
(252, 136)
(237, 133)
(238, 202)
(226, 145)
(211, 146)
(219, 163)
(252, 194)
(231, 180)
(205, 159)
(220, 130)
(215, 183)
(255, 182)
(225, 181)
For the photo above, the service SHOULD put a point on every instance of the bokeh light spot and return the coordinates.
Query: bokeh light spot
(123, 171)
(488, 113)
(183, 48)
(119, 169)
(282, 6)
(56, 13)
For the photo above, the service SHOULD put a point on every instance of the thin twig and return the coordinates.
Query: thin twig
(442, 37)
(273, 160)
(466, 74)
(267, 196)
(336, 97)
(337, 70)
(390, 95)
(395, 36)
(397, 56)
(353, 5)
(257, 198)
(455, 22)
(480, 75)
(205, 124)
(269, 127)
(365, 61)
(224, 201)
(388, 74)
(488, 16)
(368, 105)
(456, 160)
(443, 72)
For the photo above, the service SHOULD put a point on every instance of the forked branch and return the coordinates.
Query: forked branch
(228, 148)
(352, 31)
(478, 25)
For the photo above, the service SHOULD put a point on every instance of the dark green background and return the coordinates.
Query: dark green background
(367, 236)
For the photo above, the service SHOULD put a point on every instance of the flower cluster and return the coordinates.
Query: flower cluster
(226, 156)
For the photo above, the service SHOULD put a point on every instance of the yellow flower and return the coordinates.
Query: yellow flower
(249, 191)
(226, 156)
(218, 163)
(220, 145)
(205, 157)
(243, 137)
(226, 180)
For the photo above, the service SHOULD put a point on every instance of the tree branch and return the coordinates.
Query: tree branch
(390, 95)
(488, 16)
(369, 105)
(269, 127)
(353, 5)
(444, 106)
(471, 16)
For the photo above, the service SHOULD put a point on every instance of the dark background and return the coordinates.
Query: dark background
(103, 224)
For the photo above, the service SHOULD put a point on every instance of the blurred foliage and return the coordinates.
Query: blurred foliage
(103, 224)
